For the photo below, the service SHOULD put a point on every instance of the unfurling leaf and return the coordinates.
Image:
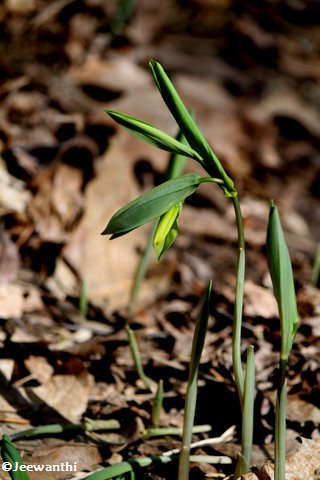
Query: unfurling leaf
(150, 134)
(167, 230)
(282, 280)
(152, 204)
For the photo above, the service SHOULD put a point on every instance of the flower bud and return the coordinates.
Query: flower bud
(167, 230)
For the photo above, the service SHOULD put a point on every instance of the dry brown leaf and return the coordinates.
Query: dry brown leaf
(6, 368)
(64, 281)
(298, 410)
(108, 266)
(285, 101)
(15, 299)
(58, 202)
(305, 463)
(259, 301)
(11, 301)
(67, 394)
(85, 456)
(39, 367)
(9, 259)
(302, 464)
(13, 194)
(206, 222)
(66, 196)
(115, 73)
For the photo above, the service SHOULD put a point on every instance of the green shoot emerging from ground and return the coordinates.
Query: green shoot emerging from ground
(191, 397)
(283, 287)
(166, 200)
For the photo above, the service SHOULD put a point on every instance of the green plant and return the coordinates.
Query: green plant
(243, 464)
(167, 199)
(88, 425)
(84, 300)
(122, 16)
(283, 287)
(148, 382)
(191, 396)
(174, 168)
(157, 405)
(10, 454)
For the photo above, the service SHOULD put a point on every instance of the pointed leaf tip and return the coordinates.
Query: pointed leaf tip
(189, 127)
(152, 135)
(282, 280)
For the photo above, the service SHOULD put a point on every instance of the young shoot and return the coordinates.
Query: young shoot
(148, 382)
(283, 287)
(243, 464)
(191, 396)
(122, 16)
(166, 200)
(84, 300)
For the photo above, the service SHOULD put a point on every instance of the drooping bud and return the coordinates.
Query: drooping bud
(167, 230)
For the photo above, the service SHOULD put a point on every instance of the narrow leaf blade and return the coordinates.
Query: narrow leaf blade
(152, 135)
(10, 453)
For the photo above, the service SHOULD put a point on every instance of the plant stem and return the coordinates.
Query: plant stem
(161, 431)
(122, 16)
(316, 267)
(88, 425)
(122, 468)
(191, 396)
(237, 322)
(243, 464)
(174, 168)
(280, 424)
(157, 405)
(141, 271)
(83, 300)
(137, 359)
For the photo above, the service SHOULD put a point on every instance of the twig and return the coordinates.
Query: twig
(227, 436)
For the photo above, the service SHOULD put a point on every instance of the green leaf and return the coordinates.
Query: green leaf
(152, 204)
(167, 230)
(282, 280)
(188, 126)
(122, 16)
(10, 453)
(176, 161)
(150, 134)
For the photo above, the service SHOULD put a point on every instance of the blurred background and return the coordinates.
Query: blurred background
(248, 70)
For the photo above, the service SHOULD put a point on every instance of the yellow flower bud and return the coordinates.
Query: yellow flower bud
(167, 230)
